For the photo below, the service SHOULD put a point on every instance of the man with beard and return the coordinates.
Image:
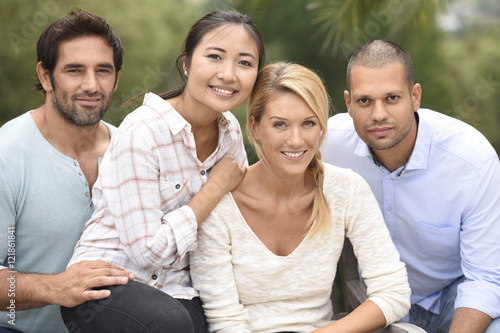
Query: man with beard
(48, 164)
(437, 181)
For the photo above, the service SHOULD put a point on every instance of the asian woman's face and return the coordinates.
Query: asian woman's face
(223, 69)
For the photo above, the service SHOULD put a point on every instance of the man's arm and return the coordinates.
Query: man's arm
(69, 288)
(467, 320)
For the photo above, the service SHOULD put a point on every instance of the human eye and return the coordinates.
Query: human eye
(278, 124)
(246, 63)
(392, 98)
(104, 71)
(309, 123)
(363, 101)
(214, 56)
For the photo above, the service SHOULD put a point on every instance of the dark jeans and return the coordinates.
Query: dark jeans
(137, 308)
(9, 330)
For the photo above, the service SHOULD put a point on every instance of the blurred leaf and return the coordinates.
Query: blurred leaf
(346, 25)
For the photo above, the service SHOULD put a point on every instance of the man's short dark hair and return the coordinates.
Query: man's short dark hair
(379, 53)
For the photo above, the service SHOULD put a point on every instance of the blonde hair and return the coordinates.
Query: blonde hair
(287, 77)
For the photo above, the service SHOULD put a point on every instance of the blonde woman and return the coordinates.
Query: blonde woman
(267, 254)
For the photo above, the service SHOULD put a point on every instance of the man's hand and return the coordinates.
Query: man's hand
(75, 285)
(69, 288)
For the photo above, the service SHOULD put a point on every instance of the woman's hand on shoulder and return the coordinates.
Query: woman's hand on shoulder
(223, 177)
(227, 174)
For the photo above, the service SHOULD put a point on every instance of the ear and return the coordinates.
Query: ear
(254, 128)
(117, 79)
(416, 95)
(347, 98)
(184, 64)
(44, 77)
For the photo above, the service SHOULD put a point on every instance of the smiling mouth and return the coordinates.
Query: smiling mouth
(89, 100)
(223, 91)
(294, 155)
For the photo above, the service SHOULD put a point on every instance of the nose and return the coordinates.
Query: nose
(226, 72)
(89, 82)
(295, 137)
(379, 113)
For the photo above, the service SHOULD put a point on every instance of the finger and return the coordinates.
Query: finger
(106, 281)
(113, 272)
(101, 264)
(90, 295)
(243, 169)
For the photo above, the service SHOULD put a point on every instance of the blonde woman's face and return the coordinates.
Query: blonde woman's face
(289, 133)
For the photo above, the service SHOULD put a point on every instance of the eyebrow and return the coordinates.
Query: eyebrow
(76, 65)
(390, 93)
(395, 92)
(243, 54)
(280, 118)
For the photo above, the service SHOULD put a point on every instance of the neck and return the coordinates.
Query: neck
(69, 139)
(391, 161)
(196, 114)
(278, 186)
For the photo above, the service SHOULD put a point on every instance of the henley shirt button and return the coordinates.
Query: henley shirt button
(87, 194)
(76, 164)
(177, 186)
(202, 172)
(154, 277)
(80, 173)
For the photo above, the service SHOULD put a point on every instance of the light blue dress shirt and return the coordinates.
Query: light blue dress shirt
(442, 208)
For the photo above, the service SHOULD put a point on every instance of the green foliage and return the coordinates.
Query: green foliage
(452, 67)
(151, 32)
(474, 79)
(459, 71)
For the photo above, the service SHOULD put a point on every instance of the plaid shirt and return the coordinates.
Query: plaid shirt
(150, 172)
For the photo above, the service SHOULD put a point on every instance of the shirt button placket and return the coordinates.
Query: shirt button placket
(389, 214)
(87, 193)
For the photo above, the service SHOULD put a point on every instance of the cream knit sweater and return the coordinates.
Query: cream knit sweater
(247, 288)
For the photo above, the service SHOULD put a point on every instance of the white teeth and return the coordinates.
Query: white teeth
(223, 91)
(294, 155)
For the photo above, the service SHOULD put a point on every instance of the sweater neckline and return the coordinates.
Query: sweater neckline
(250, 230)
